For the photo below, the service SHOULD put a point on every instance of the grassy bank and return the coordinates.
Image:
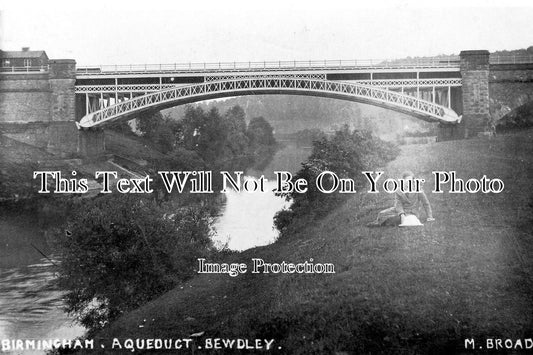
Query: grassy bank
(424, 290)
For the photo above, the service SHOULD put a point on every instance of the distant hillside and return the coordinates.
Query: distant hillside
(517, 52)
(292, 113)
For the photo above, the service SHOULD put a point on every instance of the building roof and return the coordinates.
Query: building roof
(22, 54)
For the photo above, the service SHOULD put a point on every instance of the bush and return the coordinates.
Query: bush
(283, 219)
(119, 252)
(347, 154)
(16, 180)
(519, 118)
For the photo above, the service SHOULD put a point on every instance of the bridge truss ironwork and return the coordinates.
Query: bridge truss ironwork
(383, 83)
(161, 99)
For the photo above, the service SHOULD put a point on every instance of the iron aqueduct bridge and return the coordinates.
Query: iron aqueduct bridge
(420, 88)
(459, 93)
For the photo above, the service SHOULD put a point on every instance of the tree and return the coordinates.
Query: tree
(167, 135)
(122, 127)
(162, 131)
(204, 133)
(235, 125)
(179, 159)
(346, 154)
(260, 132)
(192, 123)
(148, 122)
(213, 136)
(121, 251)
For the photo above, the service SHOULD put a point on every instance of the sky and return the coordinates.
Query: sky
(158, 31)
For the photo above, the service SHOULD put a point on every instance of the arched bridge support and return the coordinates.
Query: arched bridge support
(396, 101)
(474, 105)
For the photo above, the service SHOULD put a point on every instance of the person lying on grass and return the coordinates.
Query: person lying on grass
(404, 204)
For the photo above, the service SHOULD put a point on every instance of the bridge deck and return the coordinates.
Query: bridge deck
(270, 66)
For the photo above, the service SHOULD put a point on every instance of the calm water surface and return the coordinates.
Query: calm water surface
(31, 305)
(246, 219)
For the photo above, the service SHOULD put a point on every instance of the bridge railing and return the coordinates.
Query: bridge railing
(341, 64)
(511, 59)
(452, 61)
(269, 65)
(33, 69)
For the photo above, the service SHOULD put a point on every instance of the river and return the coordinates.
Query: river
(246, 219)
(31, 305)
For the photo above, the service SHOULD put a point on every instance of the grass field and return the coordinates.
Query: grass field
(421, 290)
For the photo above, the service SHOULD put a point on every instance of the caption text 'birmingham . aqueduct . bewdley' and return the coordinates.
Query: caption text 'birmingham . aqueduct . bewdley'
(58, 107)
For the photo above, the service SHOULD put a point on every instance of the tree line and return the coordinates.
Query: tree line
(208, 133)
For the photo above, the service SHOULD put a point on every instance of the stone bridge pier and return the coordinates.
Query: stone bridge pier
(474, 101)
(37, 109)
(475, 78)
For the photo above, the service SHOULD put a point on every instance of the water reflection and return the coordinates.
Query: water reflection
(31, 305)
(246, 219)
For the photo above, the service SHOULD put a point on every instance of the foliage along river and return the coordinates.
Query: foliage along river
(31, 303)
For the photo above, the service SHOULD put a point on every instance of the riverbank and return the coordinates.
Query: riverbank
(425, 290)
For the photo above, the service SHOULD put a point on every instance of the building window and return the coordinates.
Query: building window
(5, 63)
(27, 62)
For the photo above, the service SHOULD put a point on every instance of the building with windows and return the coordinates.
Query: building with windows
(23, 59)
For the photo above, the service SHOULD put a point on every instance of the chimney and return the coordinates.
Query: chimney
(25, 49)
